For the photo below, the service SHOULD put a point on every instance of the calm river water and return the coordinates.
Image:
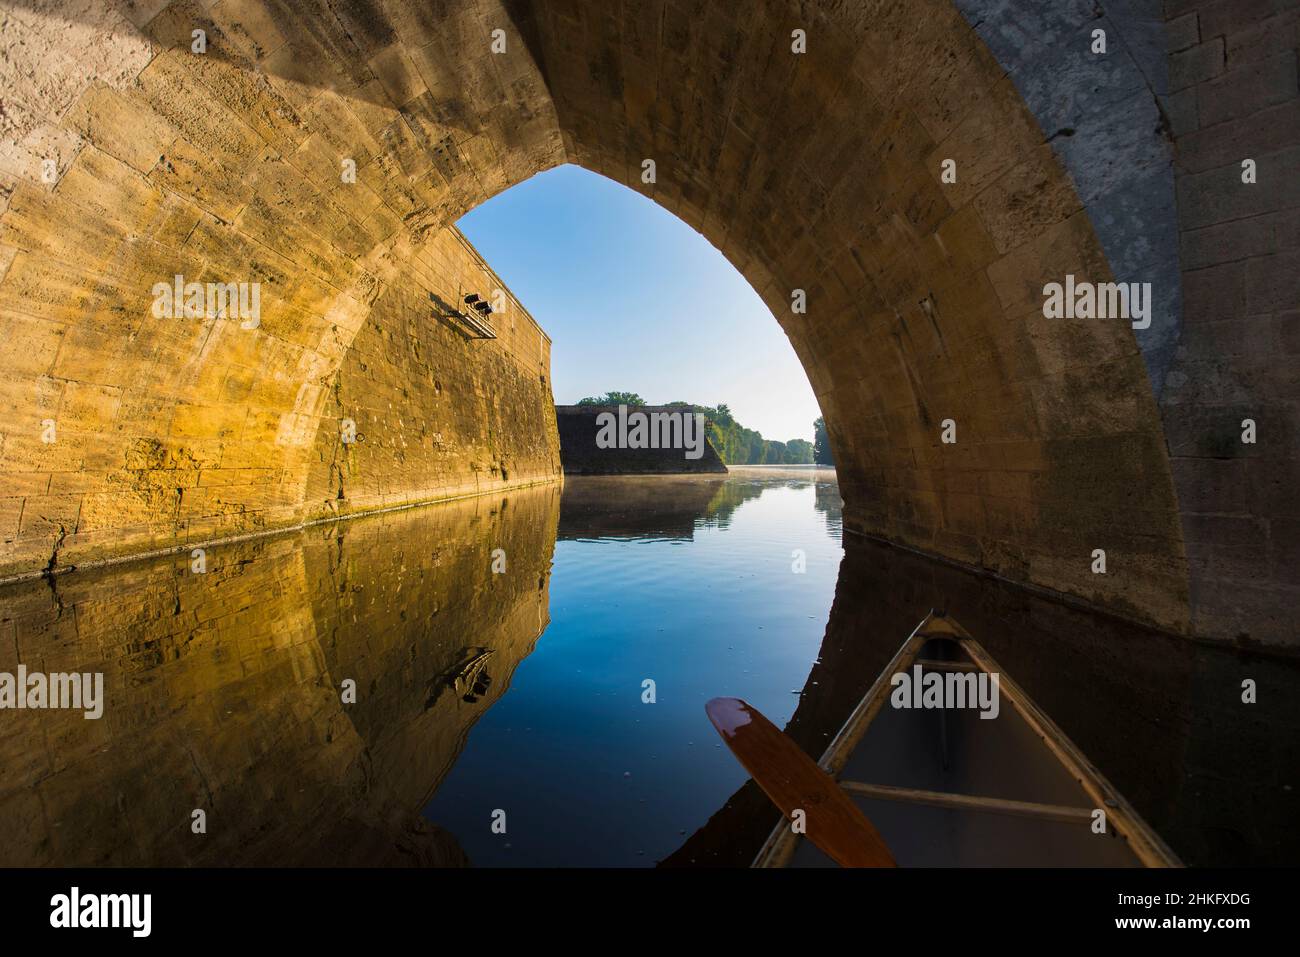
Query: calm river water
(392, 690)
(703, 586)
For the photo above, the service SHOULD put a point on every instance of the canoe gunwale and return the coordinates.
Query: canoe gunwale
(1121, 817)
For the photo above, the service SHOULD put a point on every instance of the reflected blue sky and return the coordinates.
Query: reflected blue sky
(587, 773)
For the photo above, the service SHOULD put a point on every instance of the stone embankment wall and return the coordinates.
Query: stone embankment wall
(438, 413)
(581, 455)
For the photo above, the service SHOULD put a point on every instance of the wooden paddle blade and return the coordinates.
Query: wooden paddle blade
(794, 782)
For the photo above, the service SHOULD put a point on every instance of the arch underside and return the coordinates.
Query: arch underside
(815, 172)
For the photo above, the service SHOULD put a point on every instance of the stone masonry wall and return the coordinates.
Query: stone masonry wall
(437, 414)
(126, 159)
(1235, 96)
(147, 457)
(125, 156)
(580, 454)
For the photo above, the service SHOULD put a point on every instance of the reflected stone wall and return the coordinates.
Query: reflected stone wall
(223, 690)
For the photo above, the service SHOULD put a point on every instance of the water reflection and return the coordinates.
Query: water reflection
(634, 508)
(525, 692)
(674, 506)
(224, 691)
(685, 582)
(1161, 716)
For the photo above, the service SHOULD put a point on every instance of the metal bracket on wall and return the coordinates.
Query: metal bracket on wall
(468, 322)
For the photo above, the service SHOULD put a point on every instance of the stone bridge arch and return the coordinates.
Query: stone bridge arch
(817, 171)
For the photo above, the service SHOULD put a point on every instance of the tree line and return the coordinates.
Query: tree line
(737, 445)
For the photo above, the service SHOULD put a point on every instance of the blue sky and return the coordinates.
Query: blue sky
(635, 300)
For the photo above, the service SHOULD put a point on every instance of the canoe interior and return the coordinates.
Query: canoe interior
(957, 751)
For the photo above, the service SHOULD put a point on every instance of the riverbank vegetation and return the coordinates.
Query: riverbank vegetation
(736, 444)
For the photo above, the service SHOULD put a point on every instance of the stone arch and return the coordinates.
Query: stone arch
(817, 171)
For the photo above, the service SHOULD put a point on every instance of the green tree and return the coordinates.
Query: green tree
(735, 444)
(822, 443)
(799, 452)
(613, 398)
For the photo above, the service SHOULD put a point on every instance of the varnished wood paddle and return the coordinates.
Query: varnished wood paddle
(794, 782)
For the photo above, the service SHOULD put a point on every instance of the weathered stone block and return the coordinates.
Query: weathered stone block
(1195, 65)
(1248, 89)
(1183, 32)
